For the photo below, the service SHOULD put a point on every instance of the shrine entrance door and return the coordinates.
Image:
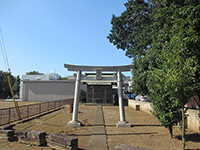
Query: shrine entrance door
(99, 94)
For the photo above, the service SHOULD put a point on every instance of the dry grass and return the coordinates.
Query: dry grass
(6, 104)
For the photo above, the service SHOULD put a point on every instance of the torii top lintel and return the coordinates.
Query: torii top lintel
(94, 68)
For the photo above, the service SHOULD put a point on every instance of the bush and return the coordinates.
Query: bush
(82, 96)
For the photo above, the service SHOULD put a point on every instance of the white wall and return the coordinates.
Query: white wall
(48, 90)
(193, 120)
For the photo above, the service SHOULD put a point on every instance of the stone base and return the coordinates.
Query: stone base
(7, 135)
(59, 146)
(32, 137)
(123, 124)
(62, 142)
(8, 139)
(74, 123)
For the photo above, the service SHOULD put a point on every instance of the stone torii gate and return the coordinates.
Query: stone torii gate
(98, 70)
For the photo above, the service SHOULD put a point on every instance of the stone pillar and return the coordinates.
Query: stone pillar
(120, 97)
(122, 122)
(74, 121)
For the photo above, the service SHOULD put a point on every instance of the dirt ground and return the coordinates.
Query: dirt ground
(145, 130)
(4, 104)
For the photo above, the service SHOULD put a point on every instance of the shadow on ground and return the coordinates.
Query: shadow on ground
(190, 137)
(146, 125)
(118, 134)
(140, 125)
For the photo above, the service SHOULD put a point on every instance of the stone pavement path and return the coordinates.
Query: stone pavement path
(98, 139)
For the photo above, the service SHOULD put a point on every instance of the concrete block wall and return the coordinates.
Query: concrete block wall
(193, 120)
(144, 106)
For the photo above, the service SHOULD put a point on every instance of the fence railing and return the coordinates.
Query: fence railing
(8, 115)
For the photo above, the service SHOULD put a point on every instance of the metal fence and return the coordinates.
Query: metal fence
(8, 115)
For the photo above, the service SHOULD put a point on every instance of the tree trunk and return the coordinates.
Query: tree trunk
(198, 103)
(183, 118)
(171, 130)
(183, 127)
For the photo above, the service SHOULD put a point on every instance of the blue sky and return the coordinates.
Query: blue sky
(42, 35)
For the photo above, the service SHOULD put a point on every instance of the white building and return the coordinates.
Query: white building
(45, 88)
(48, 87)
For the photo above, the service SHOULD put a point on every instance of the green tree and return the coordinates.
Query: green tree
(172, 86)
(163, 38)
(140, 73)
(34, 73)
(131, 31)
(4, 88)
(82, 96)
(63, 78)
(176, 78)
(16, 86)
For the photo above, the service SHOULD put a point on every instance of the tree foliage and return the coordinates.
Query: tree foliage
(82, 96)
(63, 78)
(178, 62)
(16, 86)
(140, 73)
(162, 37)
(34, 73)
(4, 88)
(129, 31)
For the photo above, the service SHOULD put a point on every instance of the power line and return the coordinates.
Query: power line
(3, 55)
(3, 48)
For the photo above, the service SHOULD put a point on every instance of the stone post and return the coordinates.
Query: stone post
(122, 122)
(74, 121)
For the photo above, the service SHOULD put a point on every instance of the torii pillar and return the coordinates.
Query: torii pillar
(122, 122)
(74, 121)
